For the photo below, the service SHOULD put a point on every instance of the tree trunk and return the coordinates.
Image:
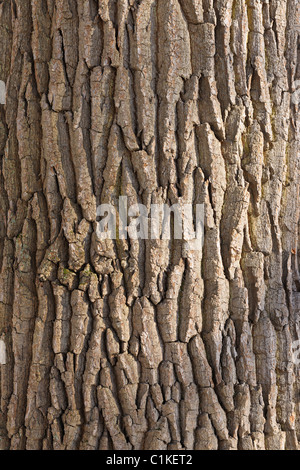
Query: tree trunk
(144, 344)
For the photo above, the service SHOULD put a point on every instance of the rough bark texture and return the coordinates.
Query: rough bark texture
(144, 344)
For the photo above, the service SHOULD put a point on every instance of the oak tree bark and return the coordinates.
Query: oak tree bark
(142, 344)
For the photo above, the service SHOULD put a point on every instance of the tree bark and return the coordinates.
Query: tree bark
(142, 344)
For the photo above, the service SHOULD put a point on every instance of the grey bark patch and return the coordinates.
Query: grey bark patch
(2, 92)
